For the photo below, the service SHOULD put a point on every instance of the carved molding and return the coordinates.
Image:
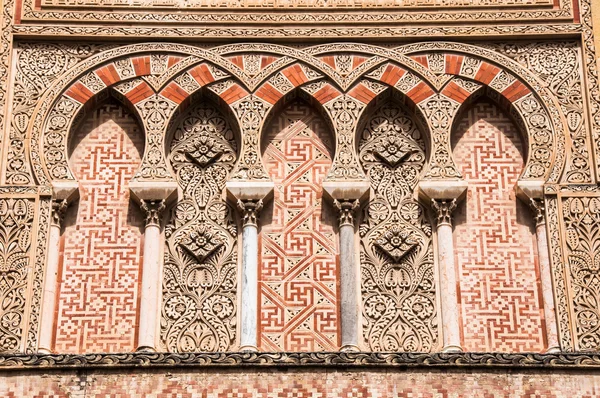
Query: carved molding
(443, 210)
(250, 211)
(153, 210)
(233, 360)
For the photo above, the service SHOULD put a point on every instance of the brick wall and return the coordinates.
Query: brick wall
(494, 238)
(298, 267)
(315, 383)
(102, 241)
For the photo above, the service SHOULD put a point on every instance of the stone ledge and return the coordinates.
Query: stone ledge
(579, 361)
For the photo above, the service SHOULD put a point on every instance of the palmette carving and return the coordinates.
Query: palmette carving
(16, 218)
(581, 218)
(200, 286)
(396, 249)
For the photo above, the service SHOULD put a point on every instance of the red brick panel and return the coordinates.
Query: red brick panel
(141, 65)
(392, 74)
(329, 60)
(515, 91)
(269, 93)
(79, 93)
(357, 61)
(98, 292)
(233, 93)
(139, 93)
(420, 92)
(455, 92)
(486, 73)
(295, 75)
(362, 93)
(422, 59)
(453, 63)
(326, 94)
(298, 266)
(173, 60)
(175, 93)
(266, 60)
(202, 74)
(494, 236)
(108, 74)
(237, 60)
(305, 383)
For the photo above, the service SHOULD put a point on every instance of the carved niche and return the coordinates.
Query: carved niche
(396, 248)
(199, 307)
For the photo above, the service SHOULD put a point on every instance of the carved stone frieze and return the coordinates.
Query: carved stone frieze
(199, 305)
(581, 217)
(16, 231)
(396, 249)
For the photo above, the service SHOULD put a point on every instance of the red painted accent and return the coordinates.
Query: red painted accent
(175, 93)
(422, 59)
(326, 94)
(515, 91)
(233, 94)
(139, 93)
(419, 92)
(392, 74)
(79, 93)
(362, 93)
(486, 73)
(295, 75)
(453, 64)
(456, 92)
(269, 93)
(173, 60)
(141, 65)
(202, 74)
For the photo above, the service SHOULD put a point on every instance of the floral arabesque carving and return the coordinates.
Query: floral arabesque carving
(16, 224)
(558, 65)
(396, 249)
(581, 219)
(199, 307)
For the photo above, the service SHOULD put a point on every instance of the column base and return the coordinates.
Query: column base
(452, 349)
(249, 348)
(553, 350)
(145, 348)
(349, 348)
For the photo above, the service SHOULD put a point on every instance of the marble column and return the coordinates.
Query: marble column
(349, 277)
(537, 205)
(448, 283)
(59, 208)
(249, 289)
(150, 293)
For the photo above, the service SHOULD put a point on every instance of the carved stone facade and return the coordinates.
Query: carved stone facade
(199, 180)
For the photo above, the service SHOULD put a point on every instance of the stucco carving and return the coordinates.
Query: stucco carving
(199, 307)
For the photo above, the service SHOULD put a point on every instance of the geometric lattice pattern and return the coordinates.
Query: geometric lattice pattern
(103, 238)
(494, 238)
(314, 383)
(298, 268)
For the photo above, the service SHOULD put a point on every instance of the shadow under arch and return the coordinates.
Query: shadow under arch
(485, 94)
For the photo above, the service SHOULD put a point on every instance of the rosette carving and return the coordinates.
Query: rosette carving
(200, 284)
(396, 250)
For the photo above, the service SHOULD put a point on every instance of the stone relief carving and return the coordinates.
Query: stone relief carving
(558, 65)
(396, 249)
(581, 218)
(16, 224)
(200, 284)
(38, 66)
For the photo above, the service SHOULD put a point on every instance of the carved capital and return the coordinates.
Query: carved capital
(538, 208)
(59, 208)
(346, 210)
(443, 209)
(153, 210)
(250, 210)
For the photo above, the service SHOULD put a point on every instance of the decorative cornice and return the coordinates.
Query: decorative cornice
(304, 359)
(316, 32)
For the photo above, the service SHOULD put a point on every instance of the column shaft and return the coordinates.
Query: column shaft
(349, 289)
(51, 278)
(150, 294)
(448, 283)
